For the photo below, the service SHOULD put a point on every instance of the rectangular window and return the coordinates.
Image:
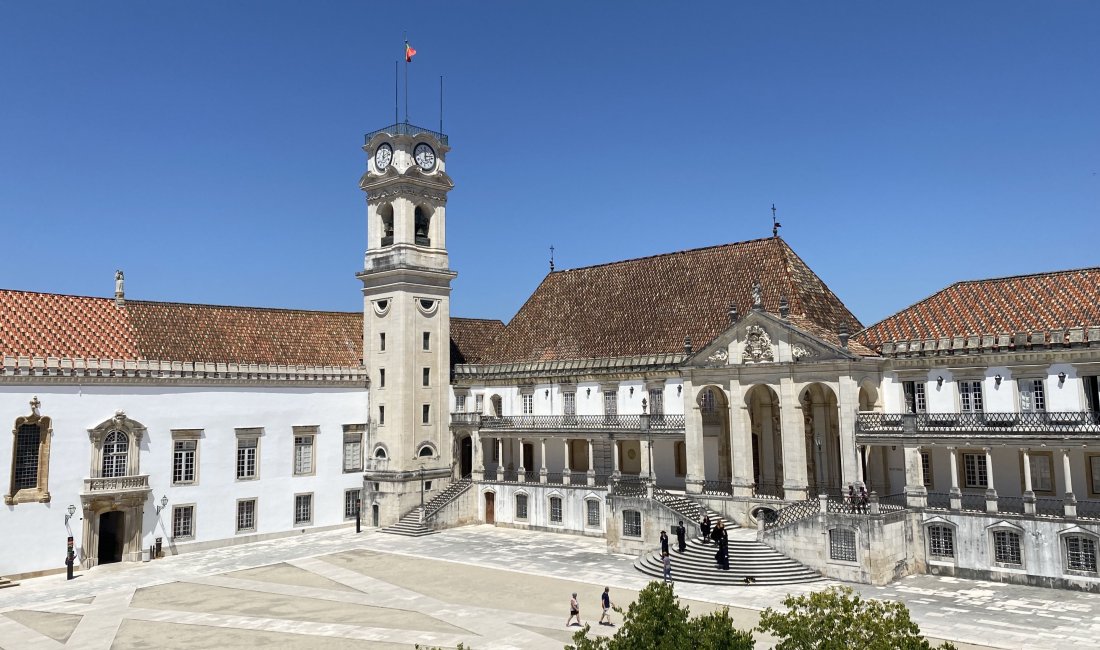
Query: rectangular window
(183, 522)
(246, 515)
(974, 471)
(382, 342)
(1081, 553)
(592, 509)
(1006, 547)
(183, 461)
(351, 503)
(381, 414)
(926, 468)
(1042, 471)
(427, 379)
(528, 403)
(381, 377)
(353, 452)
(632, 523)
(656, 401)
(1092, 392)
(842, 544)
(970, 396)
(427, 340)
(555, 510)
(303, 455)
(247, 449)
(460, 403)
(1032, 397)
(569, 403)
(1094, 474)
(28, 442)
(303, 509)
(521, 506)
(610, 404)
(914, 396)
(425, 413)
(479, 404)
(941, 542)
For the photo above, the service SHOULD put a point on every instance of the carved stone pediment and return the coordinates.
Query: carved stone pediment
(758, 345)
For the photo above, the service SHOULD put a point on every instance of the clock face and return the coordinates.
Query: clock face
(424, 156)
(383, 156)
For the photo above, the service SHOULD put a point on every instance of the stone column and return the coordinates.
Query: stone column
(542, 460)
(821, 443)
(616, 472)
(478, 455)
(990, 490)
(741, 469)
(1070, 504)
(521, 471)
(1029, 494)
(848, 408)
(566, 472)
(916, 496)
(693, 442)
(500, 459)
(955, 493)
(591, 464)
(862, 453)
(793, 430)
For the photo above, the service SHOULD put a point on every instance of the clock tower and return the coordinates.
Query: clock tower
(406, 319)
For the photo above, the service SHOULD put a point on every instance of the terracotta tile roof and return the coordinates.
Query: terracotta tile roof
(472, 339)
(648, 305)
(1022, 303)
(53, 325)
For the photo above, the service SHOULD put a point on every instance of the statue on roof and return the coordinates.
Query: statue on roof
(757, 295)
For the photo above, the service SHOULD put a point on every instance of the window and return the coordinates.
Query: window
(28, 438)
(926, 468)
(569, 403)
(1094, 474)
(842, 544)
(1042, 471)
(183, 461)
(460, 403)
(381, 377)
(427, 344)
(680, 449)
(247, 449)
(970, 396)
(941, 541)
(183, 522)
(303, 455)
(426, 452)
(610, 405)
(246, 515)
(1092, 392)
(425, 413)
(706, 401)
(427, 379)
(975, 474)
(592, 512)
(1006, 547)
(528, 403)
(632, 523)
(381, 414)
(382, 342)
(555, 510)
(303, 509)
(1032, 398)
(915, 401)
(351, 503)
(521, 506)
(116, 453)
(30, 458)
(380, 452)
(1080, 553)
(479, 403)
(353, 452)
(656, 401)
(496, 451)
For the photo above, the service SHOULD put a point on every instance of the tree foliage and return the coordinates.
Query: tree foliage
(657, 621)
(839, 619)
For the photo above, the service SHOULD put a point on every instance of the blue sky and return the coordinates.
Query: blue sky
(212, 150)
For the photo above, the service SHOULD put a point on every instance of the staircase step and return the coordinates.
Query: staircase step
(5, 583)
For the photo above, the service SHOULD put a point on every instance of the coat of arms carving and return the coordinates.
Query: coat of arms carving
(758, 345)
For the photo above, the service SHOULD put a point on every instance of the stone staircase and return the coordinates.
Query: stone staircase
(415, 525)
(4, 582)
(751, 563)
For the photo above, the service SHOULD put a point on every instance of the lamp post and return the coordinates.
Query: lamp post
(421, 490)
(70, 553)
(163, 504)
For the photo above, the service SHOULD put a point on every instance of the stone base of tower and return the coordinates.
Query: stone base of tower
(390, 495)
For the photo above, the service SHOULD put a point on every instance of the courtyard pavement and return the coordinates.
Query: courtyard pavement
(491, 588)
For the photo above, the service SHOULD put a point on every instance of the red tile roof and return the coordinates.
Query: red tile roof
(47, 324)
(472, 339)
(648, 305)
(1022, 303)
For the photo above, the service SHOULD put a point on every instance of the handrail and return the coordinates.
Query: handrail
(652, 423)
(794, 512)
(1008, 422)
(453, 491)
(404, 128)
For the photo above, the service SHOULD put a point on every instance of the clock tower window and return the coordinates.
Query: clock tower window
(423, 220)
(386, 214)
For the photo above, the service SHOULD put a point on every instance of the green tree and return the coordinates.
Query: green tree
(838, 619)
(657, 621)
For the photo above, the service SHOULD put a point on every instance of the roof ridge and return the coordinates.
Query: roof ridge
(483, 320)
(251, 308)
(1001, 278)
(655, 255)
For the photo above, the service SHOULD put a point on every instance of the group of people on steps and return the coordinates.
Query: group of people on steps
(709, 533)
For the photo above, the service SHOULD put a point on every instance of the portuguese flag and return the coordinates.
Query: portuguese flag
(409, 52)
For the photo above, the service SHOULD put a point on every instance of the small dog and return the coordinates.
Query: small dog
(749, 580)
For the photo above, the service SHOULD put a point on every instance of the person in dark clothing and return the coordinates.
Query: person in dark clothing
(681, 533)
(704, 527)
(664, 543)
(724, 551)
(717, 533)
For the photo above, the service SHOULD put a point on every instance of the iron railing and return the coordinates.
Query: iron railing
(972, 502)
(473, 419)
(718, 488)
(628, 488)
(939, 501)
(794, 512)
(453, 491)
(404, 128)
(490, 474)
(892, 502)
(1050, 507)
(1011, 423)
(1088, 509)
(532, 476)
(768, 490)
(653, 423)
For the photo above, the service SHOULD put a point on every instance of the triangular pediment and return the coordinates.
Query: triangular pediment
(760, 337)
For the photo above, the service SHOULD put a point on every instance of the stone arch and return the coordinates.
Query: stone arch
(385, 221)
(380, 451)
(869, 398)
(422, 225)
(713, 405)
(821, 419)
(426, 449)
(767, 440)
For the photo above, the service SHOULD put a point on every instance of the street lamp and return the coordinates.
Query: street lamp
(163, 504)
(421, 489)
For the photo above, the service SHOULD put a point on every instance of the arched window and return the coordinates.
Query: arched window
(30, 465)
(380, 452)
(423, 220)
(386, 214)
(116, 453)
(706, 401)
(426, 452)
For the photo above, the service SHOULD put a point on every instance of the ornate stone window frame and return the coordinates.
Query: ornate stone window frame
(1021, 535)
(40, 493)
(550, 509)
(590, 499)
(526, 506)
(427, 445)
(133, 429)
(1077, 531)
(943, 523)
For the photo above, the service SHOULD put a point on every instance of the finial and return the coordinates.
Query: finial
(775, 224)
(784, 307)
(35, 405)
(551, 258)
(757, 295)
(643, 406)
(687, 345)
(843, 335)
(732, 312)
(120, 293)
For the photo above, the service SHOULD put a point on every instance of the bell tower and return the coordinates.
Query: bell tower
(406, 318)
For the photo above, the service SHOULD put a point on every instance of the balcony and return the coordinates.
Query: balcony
(552, 423)
(115, 484)
(1009, 425)
(404, 128)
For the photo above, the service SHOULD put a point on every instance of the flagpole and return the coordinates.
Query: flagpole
(396, 114)
(441, 104)
(406, 79)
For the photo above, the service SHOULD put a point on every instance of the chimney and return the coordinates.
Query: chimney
(120, 293)
(843, 333)
(784, 307)
(687, 345)
(732, 312)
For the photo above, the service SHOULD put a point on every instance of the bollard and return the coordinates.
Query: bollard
(358, 516)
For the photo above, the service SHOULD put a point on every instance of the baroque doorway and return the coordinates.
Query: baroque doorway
(112, 531)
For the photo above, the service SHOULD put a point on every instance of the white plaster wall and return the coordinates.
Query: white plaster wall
(34, 534)
(941, 397)
(574, 515)
(1067, 396)
(999, 398)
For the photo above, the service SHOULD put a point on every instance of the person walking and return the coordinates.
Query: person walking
(681, 533)
(716, 534)
(863, 497)
(704, 526)
(574, 611)
(606, 604)
(667, 562)
(664, 543)
(724, 551)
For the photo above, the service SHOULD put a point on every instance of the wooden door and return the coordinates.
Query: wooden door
(490, 502)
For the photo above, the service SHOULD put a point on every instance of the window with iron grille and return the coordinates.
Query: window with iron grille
(1006, 547)
(941, 541)
(592, 511)
(183, 522)
(975, 474)
(528, 403)
(706, 401)
(656, 401)
(1032, 397)
(303, 455)
(246, 515)
(246, 457)
(926, 468)
(353, 452)
(970, 396)
(28, 440)
(914, 396)
(521, 506)
(116, 453)
(555, 510)
(842, 544)
(351, 503)
(632, 523)
(1080, 553)
(183, 461)
(303, 509)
